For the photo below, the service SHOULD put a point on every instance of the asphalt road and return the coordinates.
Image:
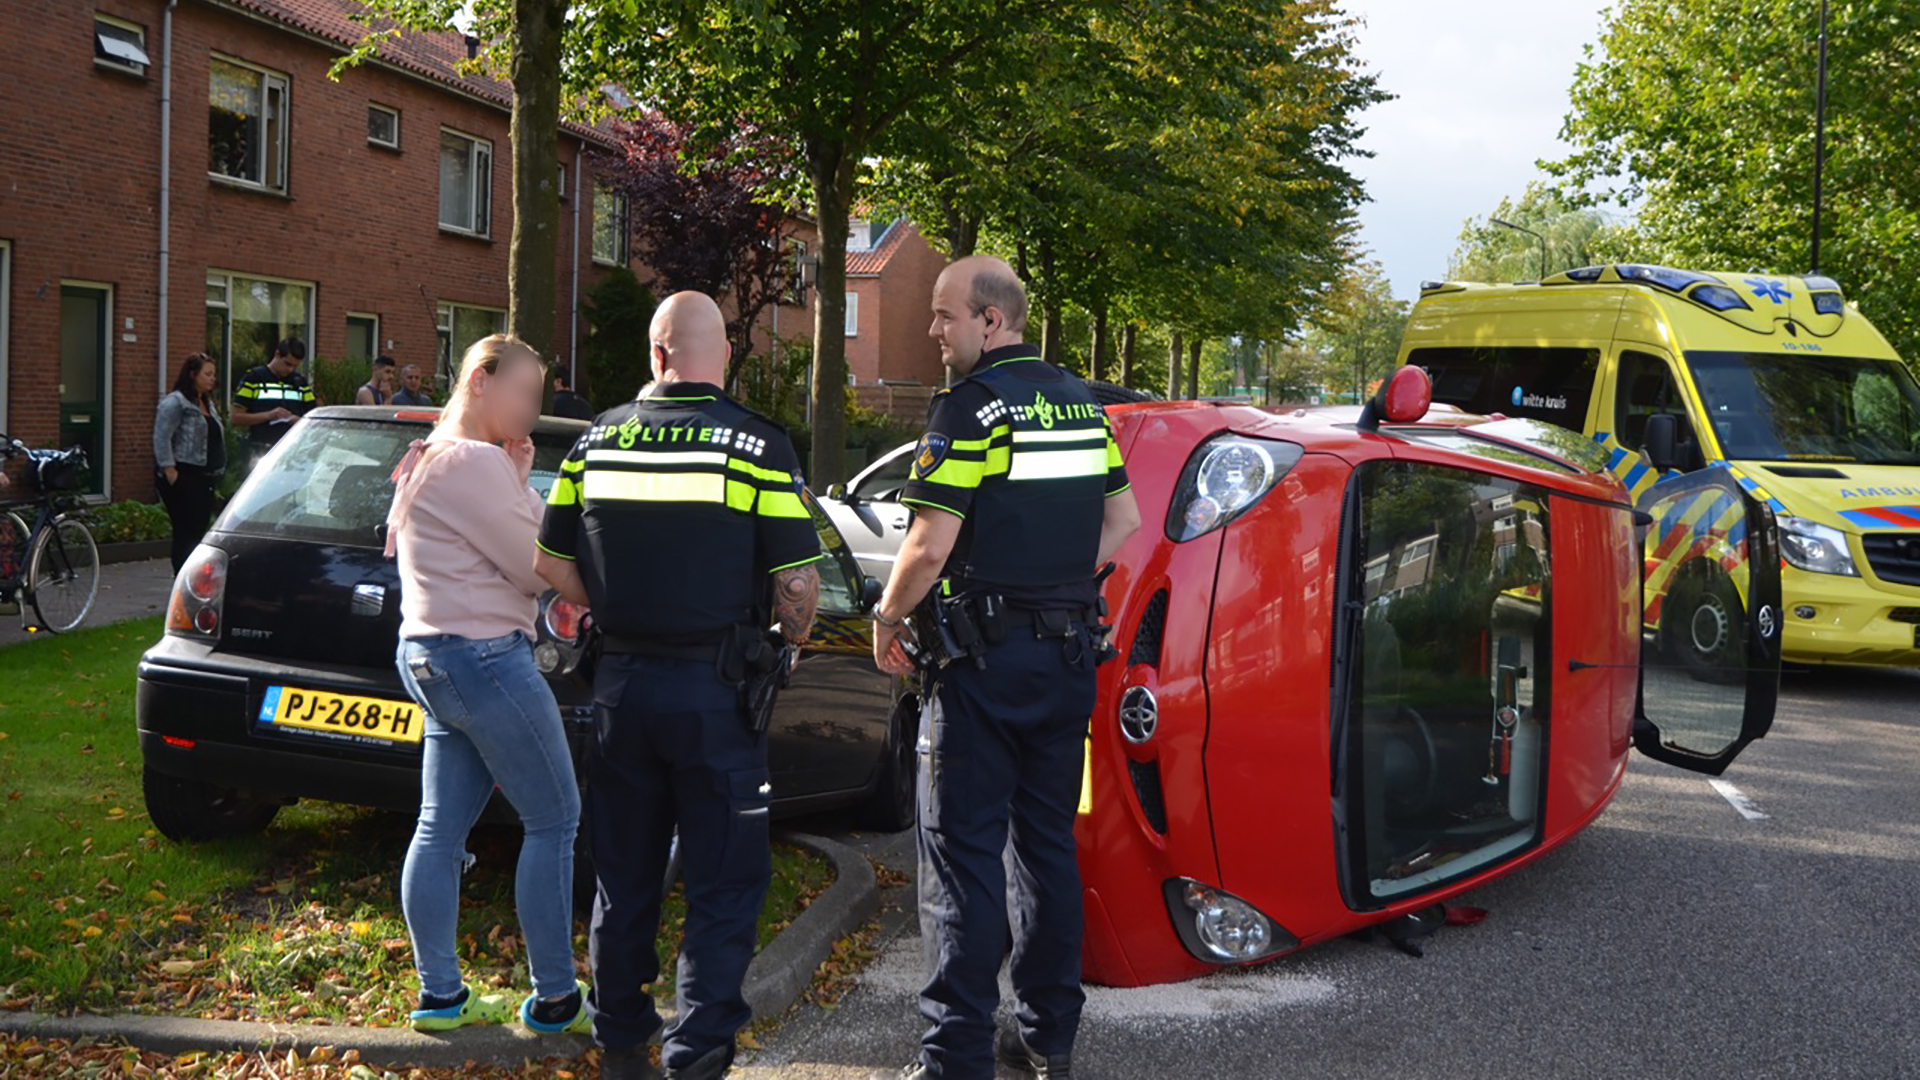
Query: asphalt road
(1676, 937)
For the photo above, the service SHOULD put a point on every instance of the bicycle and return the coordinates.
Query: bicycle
(52, 568)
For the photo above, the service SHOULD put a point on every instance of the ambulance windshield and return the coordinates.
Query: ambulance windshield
(1810, 407)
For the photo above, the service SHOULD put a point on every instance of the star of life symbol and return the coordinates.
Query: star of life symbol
(1769, 290)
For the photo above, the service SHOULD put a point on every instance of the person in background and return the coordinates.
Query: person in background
(272, 396)
(189, 453)
(566, 402)
(411, 393)
(379, 384)
(462, 524)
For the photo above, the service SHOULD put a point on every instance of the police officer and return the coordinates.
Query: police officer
(678, 519)
(1018, 493)
(271, 396)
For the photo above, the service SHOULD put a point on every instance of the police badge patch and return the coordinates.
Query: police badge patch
(933, 451)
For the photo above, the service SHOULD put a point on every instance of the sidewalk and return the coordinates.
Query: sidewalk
(127, 591)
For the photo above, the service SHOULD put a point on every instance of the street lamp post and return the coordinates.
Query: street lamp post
(1530, 232)
(1819, 134)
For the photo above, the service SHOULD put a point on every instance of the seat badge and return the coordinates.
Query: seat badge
(369, 600)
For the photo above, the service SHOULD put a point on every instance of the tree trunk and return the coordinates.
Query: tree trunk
(533, 252)
(1174, 354)
(832, 167)
(1050, 342)
(1193, 366)
(1102, 344)
(1127, 343)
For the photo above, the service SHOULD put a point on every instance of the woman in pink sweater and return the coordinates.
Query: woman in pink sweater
(463, 523)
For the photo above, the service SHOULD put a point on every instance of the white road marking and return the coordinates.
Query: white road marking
(1741, 803)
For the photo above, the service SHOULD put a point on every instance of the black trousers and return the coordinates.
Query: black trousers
(189, 503)
(674, 749)
(1002, 761)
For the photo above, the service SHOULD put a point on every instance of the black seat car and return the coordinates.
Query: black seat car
(274, 680)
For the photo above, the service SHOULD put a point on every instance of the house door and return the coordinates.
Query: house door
(85, 311)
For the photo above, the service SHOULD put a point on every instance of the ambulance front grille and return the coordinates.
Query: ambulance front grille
(1895, 557)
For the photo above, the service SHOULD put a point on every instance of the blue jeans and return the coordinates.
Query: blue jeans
(491, 719)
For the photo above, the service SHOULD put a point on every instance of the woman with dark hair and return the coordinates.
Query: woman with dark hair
(189, 453)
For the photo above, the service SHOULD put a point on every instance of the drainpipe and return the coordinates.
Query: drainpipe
(166, 177)
(573, 306)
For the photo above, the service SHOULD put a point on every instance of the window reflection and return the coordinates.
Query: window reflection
(1448, 708)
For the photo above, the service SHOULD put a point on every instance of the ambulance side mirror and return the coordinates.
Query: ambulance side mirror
(1661, 442)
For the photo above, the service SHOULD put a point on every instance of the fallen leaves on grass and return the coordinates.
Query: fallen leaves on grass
(60, 1059)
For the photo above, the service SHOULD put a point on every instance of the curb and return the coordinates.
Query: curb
(775, 980)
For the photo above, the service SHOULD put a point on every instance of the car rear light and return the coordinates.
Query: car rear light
(1223, 479)
(563, 618)
(177, 741)
(199, 591)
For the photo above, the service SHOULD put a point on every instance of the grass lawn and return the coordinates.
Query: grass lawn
(98, 911)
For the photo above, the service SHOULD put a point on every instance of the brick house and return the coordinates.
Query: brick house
(184, 176)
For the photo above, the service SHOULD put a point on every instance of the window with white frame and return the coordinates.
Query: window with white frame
(120, 45)
(853, 314)
(247, 124)
(609, 227)
(248, 315)
(459, 326)
(383, 126)
(466, 183)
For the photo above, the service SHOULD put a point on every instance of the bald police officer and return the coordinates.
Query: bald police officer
(678, 519)
(1019, 494)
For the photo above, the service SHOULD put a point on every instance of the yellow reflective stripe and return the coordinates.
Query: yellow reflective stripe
(971, 444)
(659, 457)
(1058, 464)
(759, 473)
(781, 504)
(1113, 453)
(931, 505)
(998, 460)
(958, 473)
(612, 485)
(566, 492)
(552, 552)
(572, 465)
(740, 495)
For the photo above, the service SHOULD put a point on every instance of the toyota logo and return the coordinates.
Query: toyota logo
(1139, 714)
(1766, 622)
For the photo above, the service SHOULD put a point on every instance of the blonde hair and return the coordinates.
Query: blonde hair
(486, 355)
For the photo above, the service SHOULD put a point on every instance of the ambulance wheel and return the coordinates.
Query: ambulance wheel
(1702, 620)
(894, 802)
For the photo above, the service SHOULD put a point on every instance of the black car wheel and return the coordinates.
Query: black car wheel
(187, 810)
(1107, 393)
(893, 804)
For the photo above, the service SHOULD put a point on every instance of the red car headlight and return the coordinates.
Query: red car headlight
(1224, 478)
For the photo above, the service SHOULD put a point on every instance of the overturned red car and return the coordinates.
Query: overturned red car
(1371, 659)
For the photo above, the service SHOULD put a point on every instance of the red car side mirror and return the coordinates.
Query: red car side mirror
(1403, 400)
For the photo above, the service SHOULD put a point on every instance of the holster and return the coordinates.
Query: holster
(760, 663)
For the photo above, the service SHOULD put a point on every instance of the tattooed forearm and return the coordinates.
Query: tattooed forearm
(796, 593)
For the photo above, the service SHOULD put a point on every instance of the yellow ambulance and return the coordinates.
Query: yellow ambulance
(1777, 379)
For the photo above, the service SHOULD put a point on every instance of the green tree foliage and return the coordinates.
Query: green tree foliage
(1704, 115)
(1357, 334)
(618, 310)
(1493, 253)
(1178, 165)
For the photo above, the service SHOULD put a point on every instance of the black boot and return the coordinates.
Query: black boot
(711, 1065)
(632, 1063)
(1014, 1053)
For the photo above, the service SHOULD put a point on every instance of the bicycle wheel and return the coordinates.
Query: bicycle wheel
(63, 575)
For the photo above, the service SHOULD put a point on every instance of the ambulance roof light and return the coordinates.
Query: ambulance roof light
(1719, 298)
(1666, 277)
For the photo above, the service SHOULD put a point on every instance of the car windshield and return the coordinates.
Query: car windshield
(1802, 407)
(329, 481)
